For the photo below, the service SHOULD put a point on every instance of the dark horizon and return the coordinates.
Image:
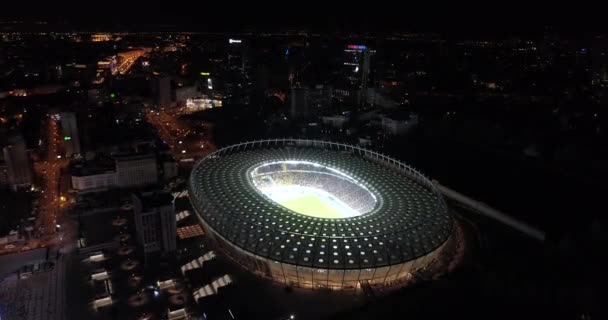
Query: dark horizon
(379, 17)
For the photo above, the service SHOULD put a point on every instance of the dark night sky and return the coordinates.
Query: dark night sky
(368, 15)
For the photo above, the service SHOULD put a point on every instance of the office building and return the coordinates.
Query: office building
(203, 102)
(236, 58)
(92, 176)
(299, 102)
(155, 221)
(337, 121)
(169, 167)
(397, 125)
(3, 176)
(309, 102)
(92, 182)
(162, 92)
(100, 37)
(18, 164)
(185, 93)
(136, 170)
(320, 99)
(98, 95)
(357, 59)
(71, 138)
(376, 97)
(203, 82)
(124, 171)
(236, 82)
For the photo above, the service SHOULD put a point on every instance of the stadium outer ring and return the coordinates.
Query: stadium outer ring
(397, 272)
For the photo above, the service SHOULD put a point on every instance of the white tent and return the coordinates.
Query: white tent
(198, 262)
(212, 288)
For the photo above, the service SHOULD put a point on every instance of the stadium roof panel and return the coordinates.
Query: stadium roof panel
(408, 220)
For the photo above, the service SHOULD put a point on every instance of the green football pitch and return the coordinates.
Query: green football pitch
(312, 205)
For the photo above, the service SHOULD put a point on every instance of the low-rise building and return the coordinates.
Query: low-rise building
(337, 121)
(94, 181)
(123, 171)
(398, 125)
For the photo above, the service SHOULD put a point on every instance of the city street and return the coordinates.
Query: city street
(129, 59)
(184, 142)
(49, 228)
(51, 201)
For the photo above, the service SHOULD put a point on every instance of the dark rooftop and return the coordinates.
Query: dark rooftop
(154, 199)
(87, 168)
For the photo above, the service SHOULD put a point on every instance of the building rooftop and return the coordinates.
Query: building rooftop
(132, 156)
(88, 168)
(97, 228)
(153, 199)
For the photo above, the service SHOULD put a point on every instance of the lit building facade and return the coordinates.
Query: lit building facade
(94, 181)
(201, 103)
(101, 37)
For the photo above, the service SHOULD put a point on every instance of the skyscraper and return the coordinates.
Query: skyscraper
(162, 91)
(357, 69)
(236, 82)
(299, 102)
(155, 221)
(19, 167)
(71, 138)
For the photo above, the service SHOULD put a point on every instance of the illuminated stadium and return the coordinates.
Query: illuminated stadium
(317, 214)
